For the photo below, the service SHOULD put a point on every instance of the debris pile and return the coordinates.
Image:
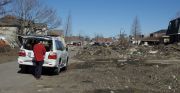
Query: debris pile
(97, 53)
(4, 47)
(132, 53)
(135, 76)
(158, 52)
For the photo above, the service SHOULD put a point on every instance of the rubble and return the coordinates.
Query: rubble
(133, 65)
(133, 53)
(4, 47)
(97, 53)
(153, 52)
(139, 78)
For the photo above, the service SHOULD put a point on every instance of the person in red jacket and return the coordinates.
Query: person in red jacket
(39, 53)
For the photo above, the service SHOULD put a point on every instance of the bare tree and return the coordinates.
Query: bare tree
(68, 30)
(122, 38)
(136, 29)
(3, 3)
(30, 12)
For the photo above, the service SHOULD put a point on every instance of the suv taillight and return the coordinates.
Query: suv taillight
(22, 53)
(52, 55)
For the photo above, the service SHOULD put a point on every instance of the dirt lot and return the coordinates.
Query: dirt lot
(97, 76)
(113, 77)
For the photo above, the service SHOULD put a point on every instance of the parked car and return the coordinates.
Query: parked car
(56, 56)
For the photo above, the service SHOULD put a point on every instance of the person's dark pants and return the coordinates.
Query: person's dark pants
(38, 68)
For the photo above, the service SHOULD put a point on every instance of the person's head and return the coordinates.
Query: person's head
(37, 41)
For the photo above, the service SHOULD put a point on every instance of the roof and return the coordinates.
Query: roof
(12, 21)
(160, 31)
(175, 19)
(56, 32)
(9, 21)
(103, 39)
(73, 38)
(151, 39)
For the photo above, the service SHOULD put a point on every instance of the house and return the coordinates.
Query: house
(74, 40)
(174, 30)
(102, 41)
(56, 32)
(159, 33)
(12, 22)
(8, 29)
(154, 38)
(9, 26)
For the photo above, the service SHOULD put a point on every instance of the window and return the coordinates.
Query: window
(59, 45)
(176, 24)
(170, 25)
(30, 42)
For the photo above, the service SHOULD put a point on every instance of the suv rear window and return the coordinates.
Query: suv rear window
(28, 43)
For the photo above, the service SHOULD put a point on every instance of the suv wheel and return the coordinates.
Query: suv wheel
(58, 68)
(23, 69)
(66, 65)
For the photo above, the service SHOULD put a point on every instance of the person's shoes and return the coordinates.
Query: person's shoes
(38, 78)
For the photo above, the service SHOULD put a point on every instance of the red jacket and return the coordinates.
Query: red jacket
(39, 52)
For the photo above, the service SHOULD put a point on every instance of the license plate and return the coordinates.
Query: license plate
(28, 61)
(46, 62)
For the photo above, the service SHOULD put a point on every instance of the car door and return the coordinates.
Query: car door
(60, 51)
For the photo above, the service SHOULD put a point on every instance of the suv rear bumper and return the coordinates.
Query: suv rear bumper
(47, 63)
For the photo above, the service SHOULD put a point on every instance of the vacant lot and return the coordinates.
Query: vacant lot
(96, 76)
(114, 77)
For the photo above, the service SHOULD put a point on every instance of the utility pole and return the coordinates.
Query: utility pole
(68, 31)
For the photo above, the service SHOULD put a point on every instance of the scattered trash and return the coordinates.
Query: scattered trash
(126, 86)
(153, 52)
(174, 77)
(133, 53)
(97, 52)
(169, 87)
(111, 91)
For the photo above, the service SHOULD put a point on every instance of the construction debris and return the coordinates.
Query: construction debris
(4, 46)
(133, 53)
(97, 53)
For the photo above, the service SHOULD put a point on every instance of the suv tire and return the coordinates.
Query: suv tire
(66, 67)
(23, 68)
(58, 68)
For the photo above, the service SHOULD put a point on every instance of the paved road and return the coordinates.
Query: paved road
(11, 80)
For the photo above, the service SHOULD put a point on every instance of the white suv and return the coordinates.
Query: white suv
(56, 56)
